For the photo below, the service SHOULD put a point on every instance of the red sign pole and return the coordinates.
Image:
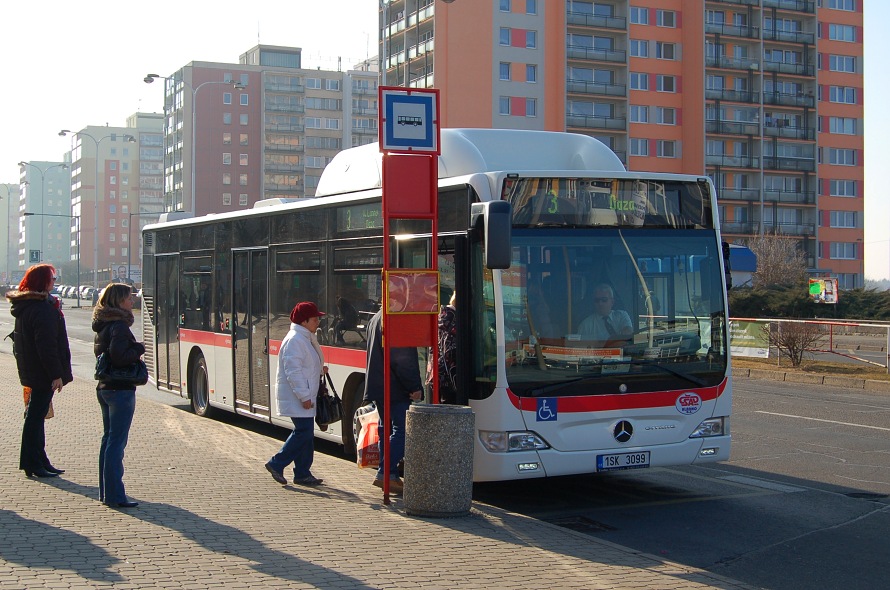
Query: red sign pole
(409, 139)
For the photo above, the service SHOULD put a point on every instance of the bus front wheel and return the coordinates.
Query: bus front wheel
(199, 389)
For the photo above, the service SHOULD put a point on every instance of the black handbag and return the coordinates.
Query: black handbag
(135, 374)
(328, 406)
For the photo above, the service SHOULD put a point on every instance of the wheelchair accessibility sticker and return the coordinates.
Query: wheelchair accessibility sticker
(546, 409)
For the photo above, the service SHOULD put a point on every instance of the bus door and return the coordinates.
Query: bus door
(167, 316)
(250, 332)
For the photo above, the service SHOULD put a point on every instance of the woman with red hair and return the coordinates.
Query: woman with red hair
(40, 346)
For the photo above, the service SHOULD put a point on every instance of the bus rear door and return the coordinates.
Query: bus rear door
(250, 332)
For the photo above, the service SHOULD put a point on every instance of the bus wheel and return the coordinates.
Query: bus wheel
(199, 390)
(349, 414)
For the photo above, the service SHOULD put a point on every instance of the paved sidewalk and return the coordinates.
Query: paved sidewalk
(210, 516)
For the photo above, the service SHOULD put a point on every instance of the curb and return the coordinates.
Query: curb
(813, 379)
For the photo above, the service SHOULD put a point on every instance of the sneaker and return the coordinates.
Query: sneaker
(395, 485)
(276, 475)
(308, 481)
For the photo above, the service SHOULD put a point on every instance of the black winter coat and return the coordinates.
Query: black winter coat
(405, 376)
(40, 340)
(113, 337)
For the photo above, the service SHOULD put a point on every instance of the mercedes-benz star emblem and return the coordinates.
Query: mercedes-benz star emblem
(623, 432)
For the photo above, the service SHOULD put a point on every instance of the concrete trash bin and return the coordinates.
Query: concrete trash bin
(439, 460)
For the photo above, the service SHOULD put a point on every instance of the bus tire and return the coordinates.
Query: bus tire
(199, 389)
(353, 404)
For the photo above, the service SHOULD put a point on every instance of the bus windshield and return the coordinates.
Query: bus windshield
(613, 311)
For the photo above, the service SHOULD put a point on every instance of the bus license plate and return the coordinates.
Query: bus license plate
(638, 460)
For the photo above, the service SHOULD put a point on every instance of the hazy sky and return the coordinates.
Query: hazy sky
(70, 64)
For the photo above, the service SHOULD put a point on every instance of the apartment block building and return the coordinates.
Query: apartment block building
(763, 96)
(41, 215)
(115, 180)
(262, 128)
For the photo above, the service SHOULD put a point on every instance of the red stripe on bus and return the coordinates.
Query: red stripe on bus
(347, 357)
(622, 401)
(201, 337)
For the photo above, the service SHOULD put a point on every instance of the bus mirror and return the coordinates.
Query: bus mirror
(494, 220)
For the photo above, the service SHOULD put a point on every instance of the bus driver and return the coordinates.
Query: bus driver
(605, 324)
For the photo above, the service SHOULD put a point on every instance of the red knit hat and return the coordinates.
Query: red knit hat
(303, 311)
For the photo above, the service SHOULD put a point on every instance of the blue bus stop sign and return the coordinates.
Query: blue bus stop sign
(410, 122)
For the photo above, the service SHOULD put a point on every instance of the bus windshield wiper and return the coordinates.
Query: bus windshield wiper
(691, 378)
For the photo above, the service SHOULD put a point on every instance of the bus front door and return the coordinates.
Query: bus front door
(167, 317)
(250, 333)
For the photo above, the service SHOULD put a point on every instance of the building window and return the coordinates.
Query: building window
(332, 123)
(112, 208)
(842, 125)
(842, 188)
(333, 85)
(242, 159)
(843, 251)
(841, 33)
(227, 98)
(227, 198)
(227, 138)
(842, 94)
(227, 118)
(244, 100)
(243, 139)
(112, 165)
(227, 159)
(639, 114)
(112, 222)
(639, 81)
(112, 180)
(531, 39)
(842, 63)
(841, 5)
(112, 237)
(312, 122)
(505, 70)
(244, 79)
(505, 5)
(227, 178)
(639, 48)
(639, 15)
(504, 105)
(531, 107)
(666, 116)
(665, 50)
(841, 157)
(666, 83)
(531, 73)
(504, 38)
(242, 179)
(242, 199)
(313, 83)
(667, 149)
(242, 118)
(531, 6)
(666, 18)
(845, 219)
(639, 147)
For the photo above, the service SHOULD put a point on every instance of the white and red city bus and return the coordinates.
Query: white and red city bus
(548, 399)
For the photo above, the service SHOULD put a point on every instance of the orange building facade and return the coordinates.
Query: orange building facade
(763, 96)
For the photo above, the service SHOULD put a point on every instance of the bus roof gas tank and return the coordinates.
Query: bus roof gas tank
(472, 151)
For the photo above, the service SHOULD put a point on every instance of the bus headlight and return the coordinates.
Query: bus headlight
(710, 427)
(508, 442)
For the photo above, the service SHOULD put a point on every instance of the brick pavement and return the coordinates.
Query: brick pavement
(210, 516)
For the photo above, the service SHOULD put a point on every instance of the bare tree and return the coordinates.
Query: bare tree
(780, 261)
(792, 340)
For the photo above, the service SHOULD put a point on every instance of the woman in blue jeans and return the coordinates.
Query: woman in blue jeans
(112, 319)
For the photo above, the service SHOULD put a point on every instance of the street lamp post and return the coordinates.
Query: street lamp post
(130, 237)
(149, 78)
(96, 143)
(43, 172)
(77, 242)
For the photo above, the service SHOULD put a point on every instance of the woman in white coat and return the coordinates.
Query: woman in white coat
(300, 367)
